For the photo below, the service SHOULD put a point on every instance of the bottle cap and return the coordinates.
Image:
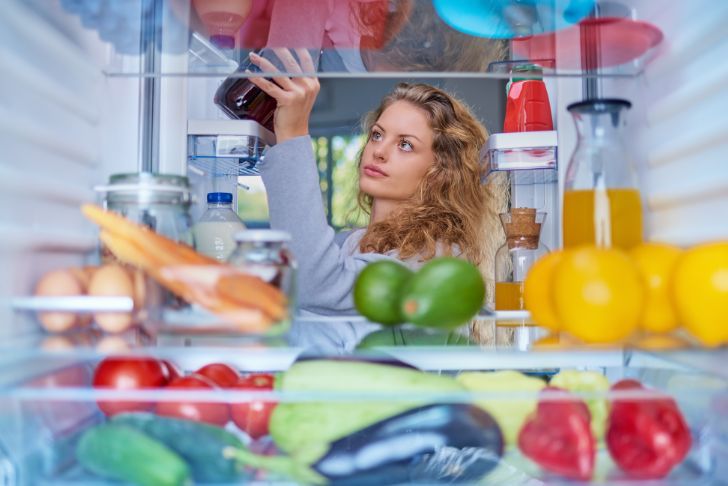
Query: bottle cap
(219, 197)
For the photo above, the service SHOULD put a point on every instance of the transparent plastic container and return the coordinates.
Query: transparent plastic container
(451, 417)
(215, 231)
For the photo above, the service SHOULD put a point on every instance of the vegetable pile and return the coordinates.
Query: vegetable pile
(356, 434)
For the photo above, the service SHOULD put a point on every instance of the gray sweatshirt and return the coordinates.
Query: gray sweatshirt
(327, 263)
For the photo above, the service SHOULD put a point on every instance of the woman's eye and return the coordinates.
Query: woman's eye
(376, 136)
(405, 145)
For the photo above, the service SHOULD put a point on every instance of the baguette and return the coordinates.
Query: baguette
(250, 319)
(162, 249)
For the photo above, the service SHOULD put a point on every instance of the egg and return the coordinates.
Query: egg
(112, 281)
(56, 343)
(58, 283)
(112, 345)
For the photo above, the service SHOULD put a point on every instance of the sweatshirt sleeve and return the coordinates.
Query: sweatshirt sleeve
(325, 274)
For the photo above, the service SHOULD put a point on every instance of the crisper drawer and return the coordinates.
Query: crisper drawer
(464, 415)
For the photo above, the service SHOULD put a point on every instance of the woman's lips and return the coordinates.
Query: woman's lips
(373, 171)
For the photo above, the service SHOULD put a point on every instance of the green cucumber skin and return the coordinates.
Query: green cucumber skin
(201, 445)
(120, 452)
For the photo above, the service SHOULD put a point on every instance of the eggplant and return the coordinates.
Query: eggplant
(440, 443)
(373, 357)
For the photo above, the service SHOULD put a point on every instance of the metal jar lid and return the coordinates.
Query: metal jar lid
(262, 236)
(147, 188)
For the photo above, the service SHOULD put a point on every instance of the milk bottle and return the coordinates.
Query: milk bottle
(214, 232)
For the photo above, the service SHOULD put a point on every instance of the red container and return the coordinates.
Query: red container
(528, 108)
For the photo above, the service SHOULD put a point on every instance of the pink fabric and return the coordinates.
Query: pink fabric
(302, 23)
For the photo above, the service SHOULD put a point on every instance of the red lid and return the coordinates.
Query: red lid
(617, 40)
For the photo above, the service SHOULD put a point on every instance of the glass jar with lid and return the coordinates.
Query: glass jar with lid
(513, 260)
(161, 202)
(158, 201)
(265, 254)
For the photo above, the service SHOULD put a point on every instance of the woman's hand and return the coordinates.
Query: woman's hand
(295, 96)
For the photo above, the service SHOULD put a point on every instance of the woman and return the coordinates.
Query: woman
(419, 180)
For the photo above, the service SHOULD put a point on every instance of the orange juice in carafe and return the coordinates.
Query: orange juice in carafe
(601, 204)
(609, 218)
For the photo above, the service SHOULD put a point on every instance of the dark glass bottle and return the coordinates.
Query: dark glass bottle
(240, 99)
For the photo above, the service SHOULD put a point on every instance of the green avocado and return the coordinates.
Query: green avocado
(377, 291)
(412, 337)
(445, 293)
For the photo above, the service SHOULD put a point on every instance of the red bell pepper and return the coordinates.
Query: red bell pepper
(647, 436)
(558, 436)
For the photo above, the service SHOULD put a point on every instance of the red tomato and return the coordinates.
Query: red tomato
(172, 371)
(221, 374)
(253, 417)
(216, 413)
(128, 374)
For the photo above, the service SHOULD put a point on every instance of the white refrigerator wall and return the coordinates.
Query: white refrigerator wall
(682, 139)
(64, 127)
(677, 129)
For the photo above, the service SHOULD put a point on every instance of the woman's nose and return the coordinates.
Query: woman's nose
(380, 153)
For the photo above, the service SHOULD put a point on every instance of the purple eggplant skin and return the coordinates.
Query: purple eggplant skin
(372, 357)
(440, 443)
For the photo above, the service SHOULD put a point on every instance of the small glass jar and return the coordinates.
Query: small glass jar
(513, 260)
(265, 254)
(158, 201)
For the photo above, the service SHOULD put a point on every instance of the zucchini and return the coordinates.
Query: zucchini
(201, 445)
(120, 452)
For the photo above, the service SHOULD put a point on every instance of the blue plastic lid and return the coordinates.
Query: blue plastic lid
(508, 19)
(220, 197)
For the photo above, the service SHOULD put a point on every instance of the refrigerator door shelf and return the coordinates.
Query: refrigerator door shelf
(219, 148)
(520, 151)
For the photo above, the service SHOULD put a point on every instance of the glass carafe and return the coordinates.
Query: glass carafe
(513, 260)
(602, 204)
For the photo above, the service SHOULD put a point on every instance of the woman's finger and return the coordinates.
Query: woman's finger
(287, 59)
(306, 61)
(269, 87)
(266, 66)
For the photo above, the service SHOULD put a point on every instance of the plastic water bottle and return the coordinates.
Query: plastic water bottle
(215, 231)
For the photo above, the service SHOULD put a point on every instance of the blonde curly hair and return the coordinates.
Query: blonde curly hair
(451, 208)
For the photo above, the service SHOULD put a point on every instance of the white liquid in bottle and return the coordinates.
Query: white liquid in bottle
(216, 238)
(215, 231)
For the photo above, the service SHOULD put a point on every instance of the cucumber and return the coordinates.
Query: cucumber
(201, 445)
(120, 452)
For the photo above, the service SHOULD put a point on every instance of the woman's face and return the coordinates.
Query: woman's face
(397, 154)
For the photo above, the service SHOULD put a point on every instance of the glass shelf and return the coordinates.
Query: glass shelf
(373, 38)
(505, 346)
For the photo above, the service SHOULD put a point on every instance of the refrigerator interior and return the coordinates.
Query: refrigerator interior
(76, 108)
